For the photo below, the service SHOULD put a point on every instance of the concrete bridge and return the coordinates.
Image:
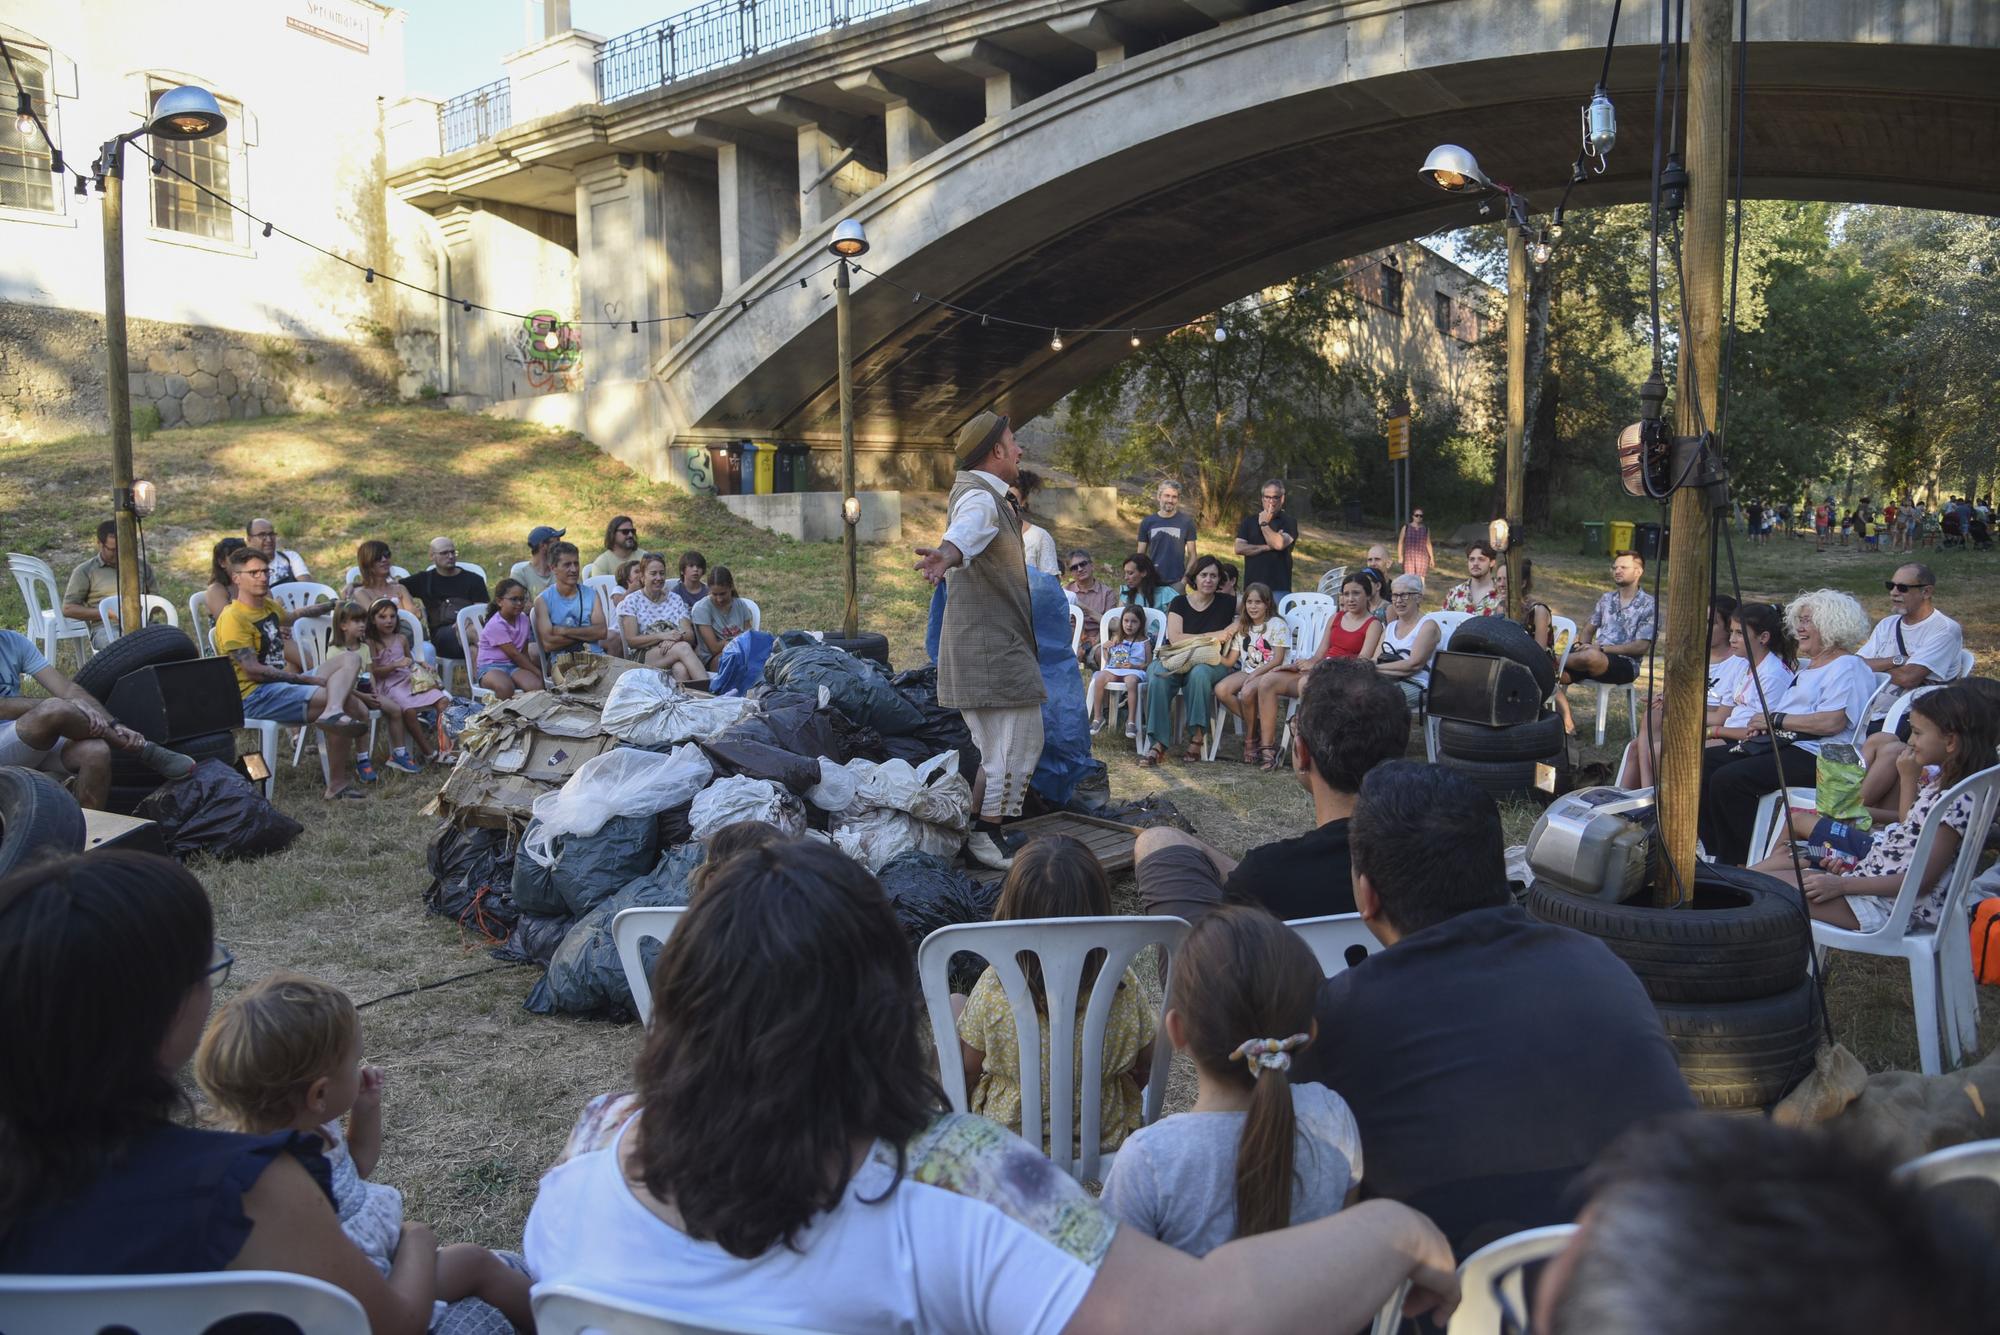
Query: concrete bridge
(1094, 165)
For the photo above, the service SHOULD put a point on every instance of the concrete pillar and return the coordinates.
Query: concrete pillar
(757, 199)
(649, 246)
(915, 121)
(841, 157)
(1010, 78)
(553, 75)
(1098, 32)
(513, 258)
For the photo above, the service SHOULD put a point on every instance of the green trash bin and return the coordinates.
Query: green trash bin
(1593, 537)
(1621, 535)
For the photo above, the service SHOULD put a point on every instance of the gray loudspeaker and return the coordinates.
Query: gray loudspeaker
(1475, 688)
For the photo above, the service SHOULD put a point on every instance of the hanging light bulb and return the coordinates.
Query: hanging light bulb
(1539, 250)
(1221, 334)
(1135, 340)
(24, 105)
(552, 340)
(1055, 344)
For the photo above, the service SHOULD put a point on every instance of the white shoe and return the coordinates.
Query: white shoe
(1131, 730)
(981, 847)
(1097, 727)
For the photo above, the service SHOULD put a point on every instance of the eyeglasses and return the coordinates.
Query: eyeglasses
(1399, 597)
(1419, 514)
(1079, 565)
(267, 533)
(218, 966)
(627, 532)
(1895, 587)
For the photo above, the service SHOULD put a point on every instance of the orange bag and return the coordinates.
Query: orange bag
(1986, 940)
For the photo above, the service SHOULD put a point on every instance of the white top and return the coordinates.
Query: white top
(1724, 678)
(1040, 549)
(1844, 684)
(1937, 642)
(982, 1234)
(1176, 1179)
(371, 1213)
(976, 518)
(1395, 648)
(1775, 678)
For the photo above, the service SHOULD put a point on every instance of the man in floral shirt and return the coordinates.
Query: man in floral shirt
(1621, 628)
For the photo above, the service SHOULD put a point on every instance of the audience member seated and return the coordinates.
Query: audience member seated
(1142, 584)
(621, 543)
(1621, 628)
(655, 625)
(402, 685)
(1703, 1225)
(538, 571)
(630, 576)
(719, 617)
(1123, 658)
(509, 658)
(1190, 661)
(96, 578)
(1259, 645)
(1265, 540)
(263, 535)
(832, 1191)
(1757, 634)
(1482, 594)
(1095, 599)
(69, 736)
(1727, 670)
(445, 590)
(1351, 632)
(1916, 644)
(377, 579)
(219, 592)
(1881, 782)
(1826, 703)
(1350, 720)
(1409, 642)
(108, 964)
(1487, 1057)
(1256, 1152)
(693, 569)
(1378, 559)
(1037, 547)
(570, 616)
(1055, 876)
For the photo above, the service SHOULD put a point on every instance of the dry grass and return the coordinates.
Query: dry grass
(481, 1093)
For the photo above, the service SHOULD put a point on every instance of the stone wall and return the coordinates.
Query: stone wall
(53, 366)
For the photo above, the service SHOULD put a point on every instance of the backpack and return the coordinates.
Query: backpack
(1986, 940)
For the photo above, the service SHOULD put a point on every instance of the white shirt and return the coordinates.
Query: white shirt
(1724, 678)
(975, 520)
(1844, 684)
(1040, 550)
(994, 1238)
(1936, 642)
(1773, 676)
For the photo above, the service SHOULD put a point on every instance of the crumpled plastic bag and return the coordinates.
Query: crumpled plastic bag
(590, 868)
(727, 801)
(808, 723)
(622, 782)
(897, 807)
(585, 976)
(472, 870)
(943, 729)
(534, 940)
(928, 892)
(647, 708)
(740, 665)
(216, 810)
(859, 687)
(749, 747)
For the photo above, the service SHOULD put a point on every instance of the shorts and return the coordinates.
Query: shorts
(1870, 911)
(1618, 671)
(1413, 695)
(14, 751)
(1179, 881)
(1839, 834)
(279, 701)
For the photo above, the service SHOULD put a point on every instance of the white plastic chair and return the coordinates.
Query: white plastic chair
(1774, 811)
(1604, 690)
(1978, 1159)
(607, 589)
(396, 572)
(43, 598)
(150, 603)
(472, 620)
(174, 1304)
(1332, 936)
(1967, 665)
(565, 1309)
(1060, 944)
(200, 629)
(1107, 633)
(1307, 623)
(1496, 1268)
(1562, 637)
(756, 612)
(1077, 619)
(473, 566)
(1942, 992)
(301, 594)
(630, 927)
(1330, 582)
(1324, 601)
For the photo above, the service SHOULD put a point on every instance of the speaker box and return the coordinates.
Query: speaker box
(169, 701)
(1474, 688)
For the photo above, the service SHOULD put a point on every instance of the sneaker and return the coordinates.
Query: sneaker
(364, 768)
(1097, 727)
(400, 759)
(1131, 730)
(982, 849)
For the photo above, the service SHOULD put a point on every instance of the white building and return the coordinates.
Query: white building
(224, 320)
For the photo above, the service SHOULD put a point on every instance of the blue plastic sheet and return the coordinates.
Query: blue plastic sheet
(740, 665)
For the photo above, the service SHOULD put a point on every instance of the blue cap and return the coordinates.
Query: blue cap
(541, 533)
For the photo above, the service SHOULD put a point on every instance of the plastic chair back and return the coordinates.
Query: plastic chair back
(396, 572)
(1308, 627)
(1333, 938)
(1495, 1269)
(628, 929)
(1562, 638)
(565, 1309)
(607, 589)
(1967, 665)
(1156, 623)
(1330, 582)
(301, 594)
(1061, 946)
(420, 643)
(1321, 600)
(312, 635)
(756, 612)
(471, 621)
(200, 628)
(1448, 622)
(174, 1304)
(43, 598)
(1979, 1160)
(1077, 619)
(150, 603)
(1894, 718)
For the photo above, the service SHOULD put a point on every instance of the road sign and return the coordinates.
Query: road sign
(1399, 437)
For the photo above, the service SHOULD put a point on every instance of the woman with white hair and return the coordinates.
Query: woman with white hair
(1408, 640)
(1827, 702)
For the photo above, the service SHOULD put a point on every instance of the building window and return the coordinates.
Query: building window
(25, 180)
(180, 203)
(1382, 285)
(1442, 313)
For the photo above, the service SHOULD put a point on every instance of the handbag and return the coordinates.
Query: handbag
(1837, 785)
(1196, 650)
(423, 677)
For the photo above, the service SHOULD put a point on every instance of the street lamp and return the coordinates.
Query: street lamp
(850, 242)
(1455, 170)
(179, 113)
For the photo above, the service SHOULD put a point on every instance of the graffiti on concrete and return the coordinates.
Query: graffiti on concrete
(549, 351)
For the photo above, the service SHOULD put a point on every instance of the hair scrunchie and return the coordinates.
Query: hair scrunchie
(1268, 1054)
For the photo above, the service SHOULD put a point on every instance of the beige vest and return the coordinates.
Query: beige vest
(986, 650)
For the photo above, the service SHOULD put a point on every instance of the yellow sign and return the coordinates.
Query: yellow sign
(1399, 437)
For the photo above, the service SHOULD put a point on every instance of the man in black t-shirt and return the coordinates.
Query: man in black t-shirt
(1349, 721)
(1487, 1057)
(445, 589)
(1264, 540)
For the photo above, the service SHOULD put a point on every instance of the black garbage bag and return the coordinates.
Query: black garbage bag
(750, 747)
(672, 827)
(533, 886)
(585, 976)
(804, 728)
(534, 939)
(859, 686)
(1146, 812)
(928, 892)
(593, 867)
(472, 868)
(216, 810)
(942, 729)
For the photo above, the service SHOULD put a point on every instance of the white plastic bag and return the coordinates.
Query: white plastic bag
(621, 782)
(838, 785)
(649, 709)
(737, 798)
(898, 806)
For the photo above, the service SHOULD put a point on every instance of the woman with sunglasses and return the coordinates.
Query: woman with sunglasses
(1413, 547)
(108, 966)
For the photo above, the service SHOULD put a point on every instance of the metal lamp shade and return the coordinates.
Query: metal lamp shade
(849, 240)
(1454, 169)
(187, 112)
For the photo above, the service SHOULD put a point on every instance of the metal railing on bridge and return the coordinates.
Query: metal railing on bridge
(474, 117)
(718, 33)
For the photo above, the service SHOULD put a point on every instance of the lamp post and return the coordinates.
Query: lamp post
(1456, 171)
(181, 113)
(850, 242)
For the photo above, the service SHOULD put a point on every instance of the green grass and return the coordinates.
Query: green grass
(481, 1093)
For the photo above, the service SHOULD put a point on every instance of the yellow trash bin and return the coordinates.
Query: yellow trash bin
(766, 477)
(1621, 535)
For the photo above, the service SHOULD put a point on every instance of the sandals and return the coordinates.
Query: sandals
(1253, 755)
(343, 723)
(348, 791)
(1154, 758)
(1271, 762)
(1193, 752)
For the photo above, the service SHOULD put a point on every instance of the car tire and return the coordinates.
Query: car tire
(868, 644)
(128, 653)
(1501, 638)
(38, 819)
(1745, 939)
(1540, 740)
(1504, 780)
(1741, 1055)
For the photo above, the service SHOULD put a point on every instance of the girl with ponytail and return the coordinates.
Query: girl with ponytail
(1257, 1153)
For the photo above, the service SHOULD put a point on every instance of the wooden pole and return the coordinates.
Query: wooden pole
(1517, 396)
(118, 386)
(1684, 619)
(849, 506)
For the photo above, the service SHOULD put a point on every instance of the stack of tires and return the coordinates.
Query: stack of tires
(1729, 976)
(1502, 760)
(146, 647)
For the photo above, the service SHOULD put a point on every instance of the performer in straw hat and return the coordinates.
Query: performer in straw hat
(986, 649)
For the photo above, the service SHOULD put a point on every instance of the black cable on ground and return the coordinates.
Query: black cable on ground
(426, 987)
